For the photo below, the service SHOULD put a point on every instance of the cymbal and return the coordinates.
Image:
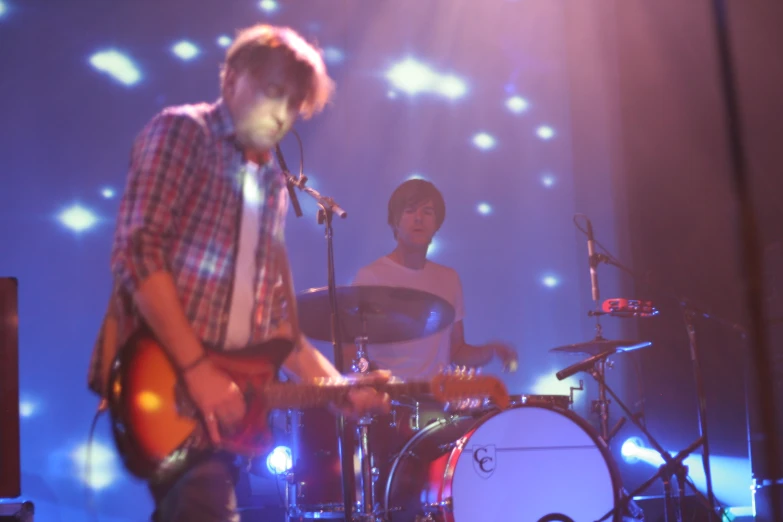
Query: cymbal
(601, 345)
(385, 314)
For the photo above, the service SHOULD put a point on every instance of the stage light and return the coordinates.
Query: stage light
(185, 50)
(224, 41)
(545, 132)
(731, 476)
(630, 449)
(550, 281)
(484, 141)
(416, 175)
(517, 104)
(3, 9)
(108, 192)
(279, 460)
(117, 65)
(484, 209)
(78, 218)
(548, 180)
(268, 6)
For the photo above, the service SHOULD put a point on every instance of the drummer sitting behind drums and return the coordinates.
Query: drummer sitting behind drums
(416, 211)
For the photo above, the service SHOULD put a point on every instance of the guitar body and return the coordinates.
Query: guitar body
(156, 428)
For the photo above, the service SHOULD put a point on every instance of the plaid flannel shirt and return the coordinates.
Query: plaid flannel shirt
(181, 212)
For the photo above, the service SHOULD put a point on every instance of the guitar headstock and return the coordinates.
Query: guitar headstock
(463, 384)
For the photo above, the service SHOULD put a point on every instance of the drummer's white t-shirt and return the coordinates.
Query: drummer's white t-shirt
(421, 357)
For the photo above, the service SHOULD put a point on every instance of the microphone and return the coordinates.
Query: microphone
(581, 365)
(290, 182)
(593, 259)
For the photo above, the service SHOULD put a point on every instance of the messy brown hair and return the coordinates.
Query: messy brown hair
(254, 46)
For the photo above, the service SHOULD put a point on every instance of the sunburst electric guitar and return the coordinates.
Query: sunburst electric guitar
(157, 429)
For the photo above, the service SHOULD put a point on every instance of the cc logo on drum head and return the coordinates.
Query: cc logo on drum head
(484, 460)
(555, 517)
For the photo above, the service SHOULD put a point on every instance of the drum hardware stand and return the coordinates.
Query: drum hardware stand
(367, 507)
(573, 389)
(326, 211)
(672, 466)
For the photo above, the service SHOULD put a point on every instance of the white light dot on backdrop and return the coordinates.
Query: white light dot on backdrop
(550, 281)
(27, 408)
(413, 77)
(451, 87)
(3, 9)
(185, 50)
(484, 209)
(548, 180)
(269, 6)
(333, 55)
(545, 132)
(484, 141)
(108, 192)
(517, 104)
(103, 470)
(117, 65)
(224, 41)
(78, 218)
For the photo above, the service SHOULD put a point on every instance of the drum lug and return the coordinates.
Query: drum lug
(444, 505)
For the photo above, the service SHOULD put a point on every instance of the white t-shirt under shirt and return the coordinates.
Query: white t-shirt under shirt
(426, 356)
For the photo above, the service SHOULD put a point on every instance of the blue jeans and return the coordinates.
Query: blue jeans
(204, 493)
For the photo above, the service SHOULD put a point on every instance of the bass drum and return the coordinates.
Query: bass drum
(530, 463)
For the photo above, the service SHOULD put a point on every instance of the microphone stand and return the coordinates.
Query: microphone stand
(689, 312)
(673, 466)
(327, 209)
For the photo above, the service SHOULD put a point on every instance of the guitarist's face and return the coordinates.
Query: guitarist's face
(263, 104)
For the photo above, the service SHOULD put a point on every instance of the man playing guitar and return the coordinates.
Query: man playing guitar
(199, 256)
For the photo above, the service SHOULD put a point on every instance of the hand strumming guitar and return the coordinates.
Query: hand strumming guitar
(217, 397)
(364, 399)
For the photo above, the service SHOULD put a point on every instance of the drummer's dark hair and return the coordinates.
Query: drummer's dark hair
(412, 193)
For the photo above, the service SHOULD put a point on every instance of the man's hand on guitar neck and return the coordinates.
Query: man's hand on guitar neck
(364, 399)
(216, 396)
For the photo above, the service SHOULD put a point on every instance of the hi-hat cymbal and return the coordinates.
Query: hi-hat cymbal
(385, 314)
(601, 345)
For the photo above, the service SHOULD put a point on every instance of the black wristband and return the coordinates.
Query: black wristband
(195, 363)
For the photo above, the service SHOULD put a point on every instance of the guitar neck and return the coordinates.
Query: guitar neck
(280, 396)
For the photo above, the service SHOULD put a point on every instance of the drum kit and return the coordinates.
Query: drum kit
(536, 460)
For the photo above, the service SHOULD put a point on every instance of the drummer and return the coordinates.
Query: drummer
(416, 212)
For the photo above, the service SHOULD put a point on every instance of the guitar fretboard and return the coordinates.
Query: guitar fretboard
(283, 396)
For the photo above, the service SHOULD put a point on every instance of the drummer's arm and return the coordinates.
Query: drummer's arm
(465, 354)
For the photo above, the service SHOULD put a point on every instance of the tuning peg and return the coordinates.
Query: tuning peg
(472, 373)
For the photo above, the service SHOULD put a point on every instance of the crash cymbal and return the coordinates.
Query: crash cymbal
(385, 314)
(601, 345)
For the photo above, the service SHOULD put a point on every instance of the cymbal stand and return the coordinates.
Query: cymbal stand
(673, 466)
(369, 473)
(600, 406)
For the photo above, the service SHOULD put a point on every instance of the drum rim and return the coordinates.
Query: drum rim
(428, 428)
(590, 431)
